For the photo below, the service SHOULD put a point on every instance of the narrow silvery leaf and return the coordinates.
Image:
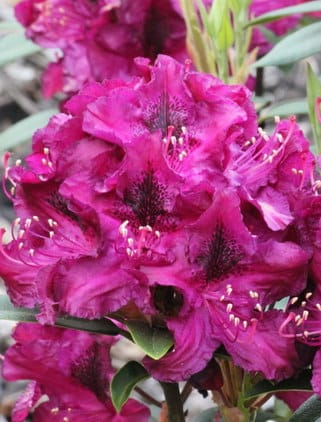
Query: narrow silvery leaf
(301, 44)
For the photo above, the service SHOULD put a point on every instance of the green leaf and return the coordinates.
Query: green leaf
(22, 131)
(154, 341)
(301, 44)
(14, 46)
(311, 6)
(285, 109)
(100, 326)
(301, 383)
(10, 26)
(310, 411)
(314, 91)
(124, 381)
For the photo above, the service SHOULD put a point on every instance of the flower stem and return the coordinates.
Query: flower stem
(174, 402)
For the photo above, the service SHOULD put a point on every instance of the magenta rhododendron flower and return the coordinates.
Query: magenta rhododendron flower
(72, 370)
(162, 192)
(99, 39)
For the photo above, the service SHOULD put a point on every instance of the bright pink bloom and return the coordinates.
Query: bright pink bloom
(175, 201)
(100, 39)
(72, 369)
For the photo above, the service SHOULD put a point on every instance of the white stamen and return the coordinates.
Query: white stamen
(258, 307)
(229, 307)
(122, 228)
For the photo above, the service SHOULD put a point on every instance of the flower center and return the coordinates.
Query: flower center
(146, 198)
(219, 255)
(166, 112)
(90, 371)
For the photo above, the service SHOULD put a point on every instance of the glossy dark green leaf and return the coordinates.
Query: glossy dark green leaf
(100, 326)
(311, 6)
(154, 341)
(23, 130)
(300, 44)
(309, 411)
(124, 381)
(301, 383)
(313, 92)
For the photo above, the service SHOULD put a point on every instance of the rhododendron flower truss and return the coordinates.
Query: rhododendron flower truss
(59, 233)
(225, 279)
(71, 370)
(162, 193)
(100, 39)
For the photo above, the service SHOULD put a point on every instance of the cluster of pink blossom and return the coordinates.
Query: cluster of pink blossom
(156, 191)
(99, 39)
(162, 193)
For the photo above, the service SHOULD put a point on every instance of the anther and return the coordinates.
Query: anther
(184, 130)
(130, 242)
(294, 170)
(181, 140)
(318, 306)
(51, 234)
(54, 410)
(157, 233)
(173, 140)
(305, 315)
(294, 300)
(182, 155)
(229, 307)
(245, 325)
(306, 333)
(35, 218)
(46, 151)
(129, 252)
(28, 223)
(222, 298)
(280, 138)
(18, 163)
(277, 119)
(21, 234)
(122, 228)
(296, 319)
(231, 317)
(229, 290)
(31, 252)
(258, 307)
(65, 419)
(236, 321)
(253, 295)
(44, 161)
(20, 246)
(303, 303)
(301, 172)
